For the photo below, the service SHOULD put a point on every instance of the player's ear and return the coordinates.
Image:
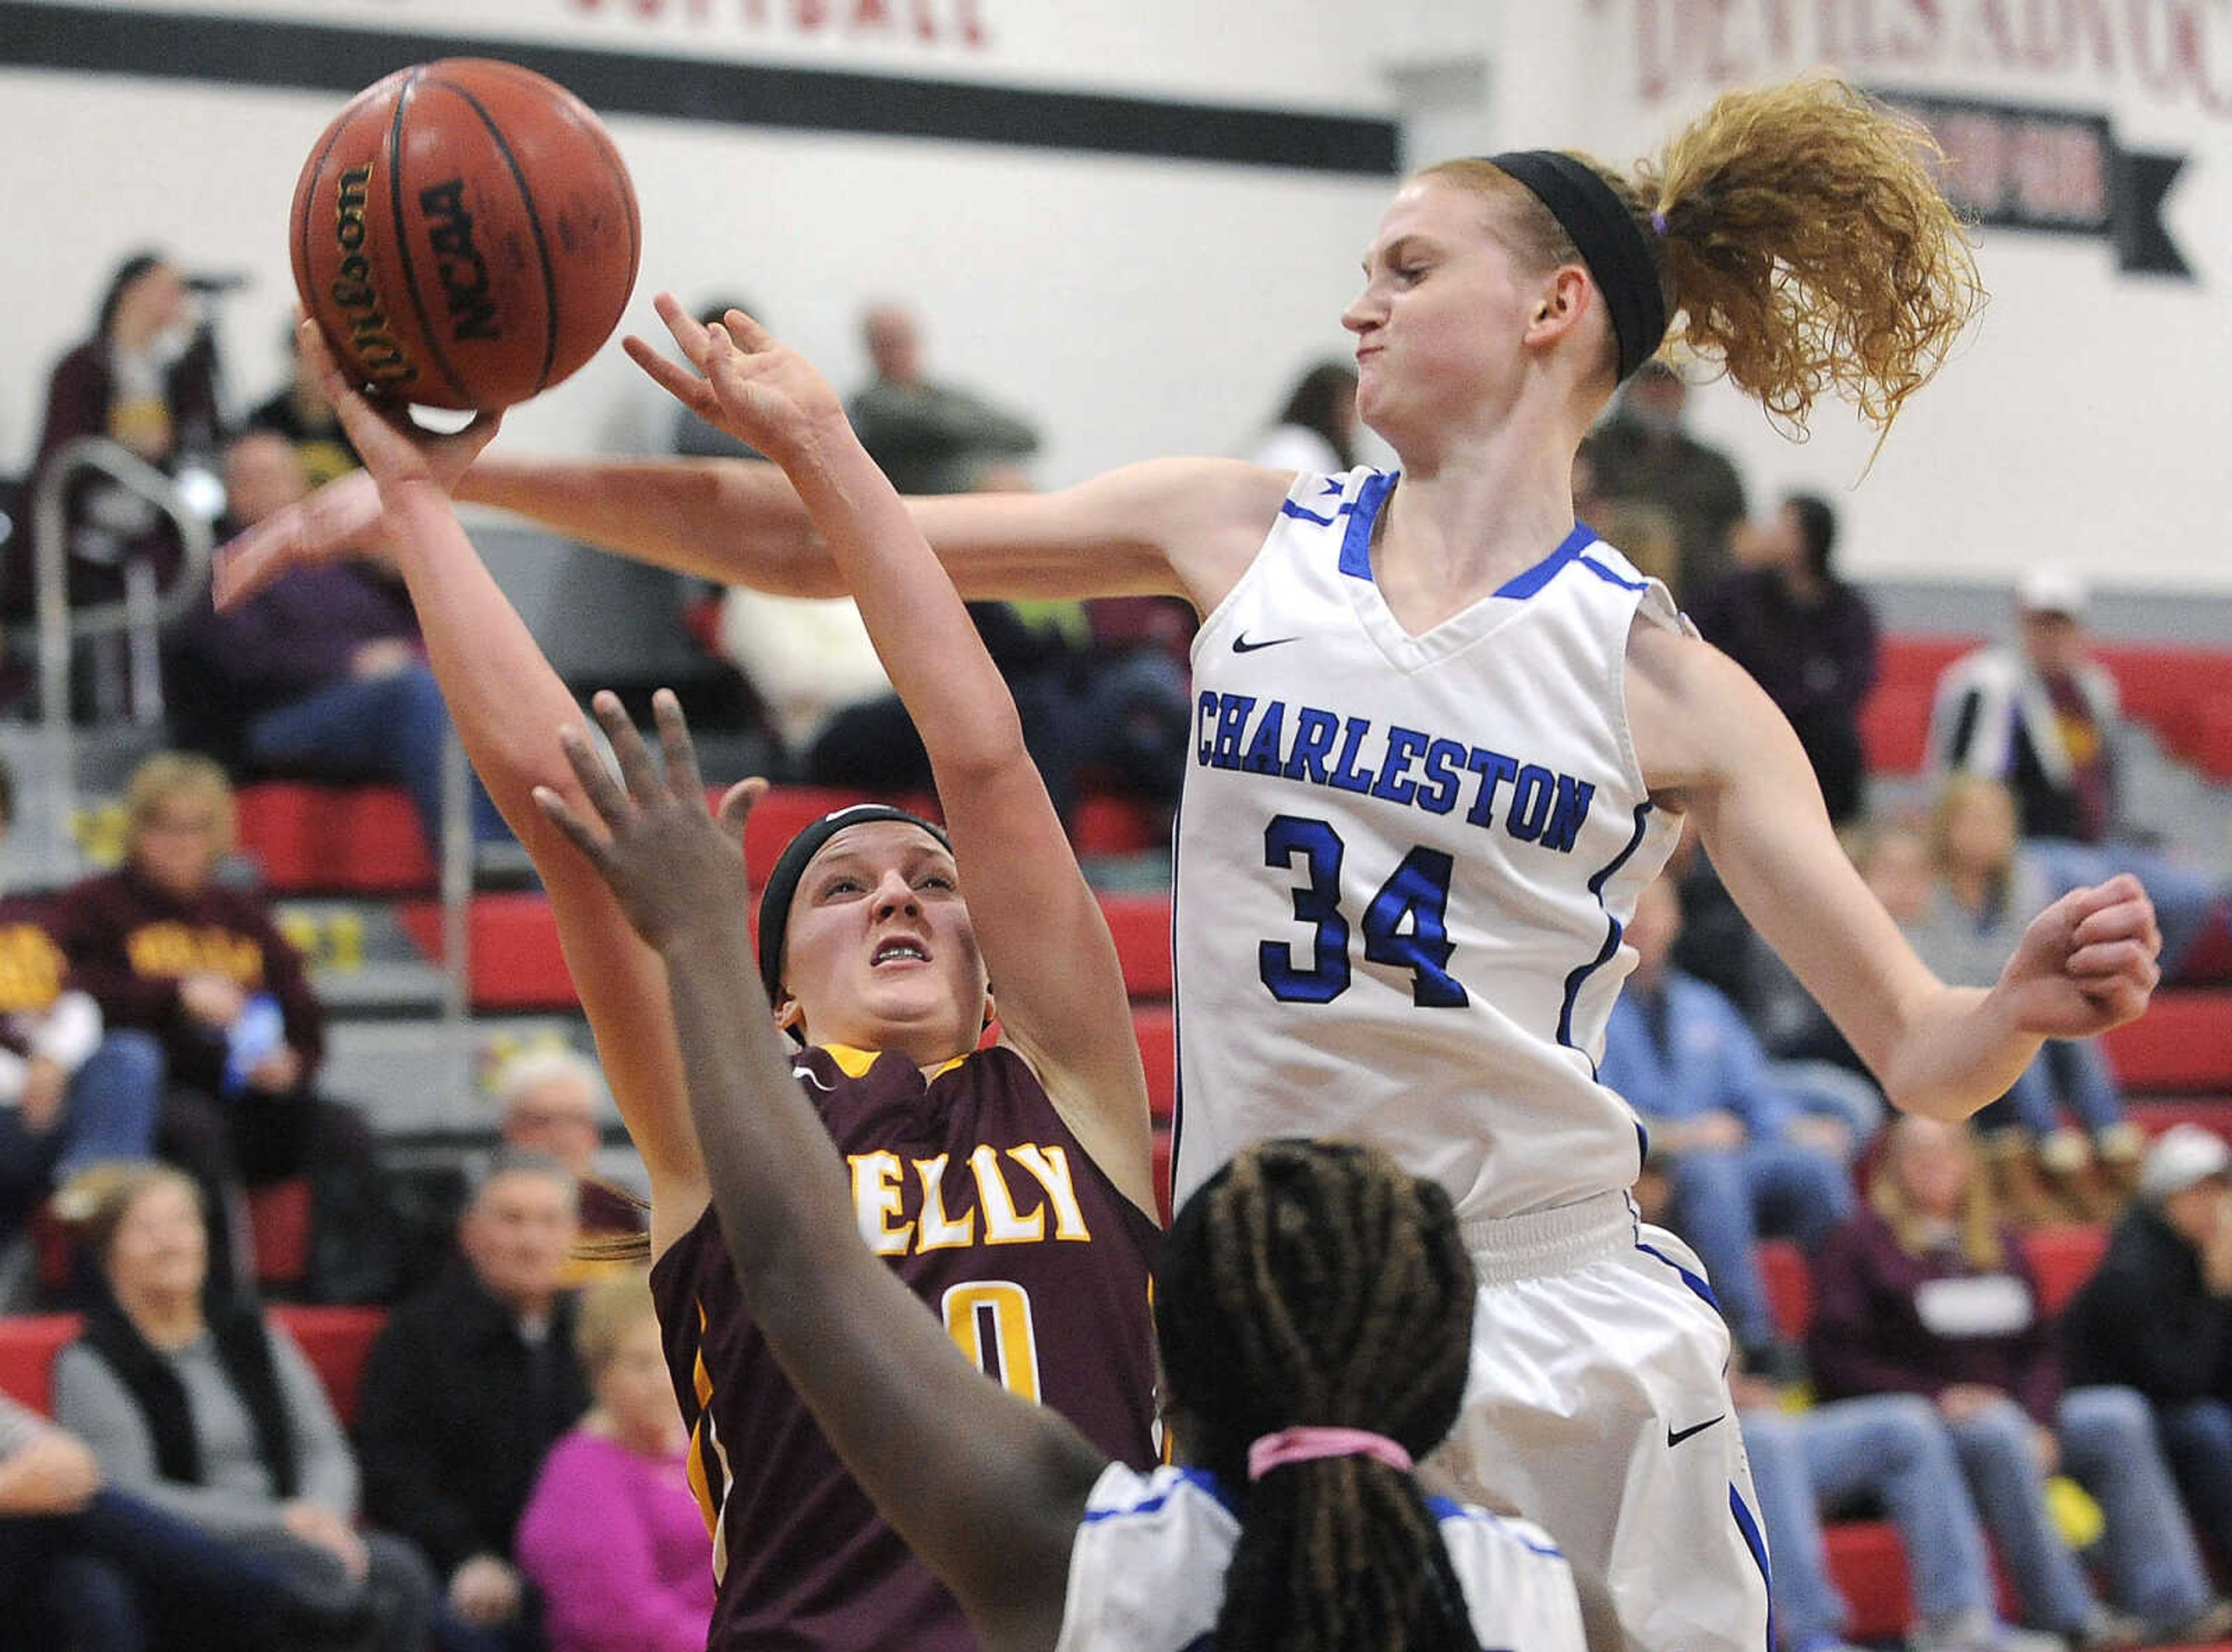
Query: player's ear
(790, 1014)
(991, 1007)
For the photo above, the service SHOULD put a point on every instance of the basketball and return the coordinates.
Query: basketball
(465, 235)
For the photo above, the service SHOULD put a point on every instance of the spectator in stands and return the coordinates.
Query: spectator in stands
(167, 949)
(71, 1094)
(468, 1387)
(1641, 452)
(1316, 433)
(146, 379)
(612, 1536)
(320, 675)
(1745, 1156)
(2043, 719)
(191, 1400)
(1805, 637)
(83, 1563)
(927, 437)
(549, 1097)
(1988, 886)
(1890, 1450)
(299, 412)
(2157, 1315)
(1925, 1293)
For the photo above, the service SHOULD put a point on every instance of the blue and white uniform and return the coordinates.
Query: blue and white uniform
(1405, 864)
(1147, 1571)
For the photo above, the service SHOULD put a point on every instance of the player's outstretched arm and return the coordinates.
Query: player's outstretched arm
(505, 699)
(1167, 527)
(987, 1487)
(1713, 742)
(1045, 942)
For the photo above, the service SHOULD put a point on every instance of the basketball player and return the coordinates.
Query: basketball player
(1008, 1186)
(1312, 1311)
(1446, 735)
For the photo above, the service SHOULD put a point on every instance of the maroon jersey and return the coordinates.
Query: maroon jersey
(995, 1216)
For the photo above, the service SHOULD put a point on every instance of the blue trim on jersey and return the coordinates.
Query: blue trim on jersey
(1521, 586)
(1749, 1524)
(1177, 1026)
(1695, 1281)
(1201, 1480)
(1289, 508)
(1356, 543)
(1610, 577)
(1579, 977)
(1448, 1508)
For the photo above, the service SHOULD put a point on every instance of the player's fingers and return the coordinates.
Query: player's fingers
(574, 829)
(598, 784)
(688, 331)
(677, 380)
(747, 333)
(2132, 919)
(2132, 958)
(683, 782)
(737, 804)
(634, 757)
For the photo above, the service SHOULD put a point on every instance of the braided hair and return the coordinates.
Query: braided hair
(1320, 1284)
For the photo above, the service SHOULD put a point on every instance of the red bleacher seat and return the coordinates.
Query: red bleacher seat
(2154, 1114)
(1163, 1175)
(1789, 1287)
(1141, 925)
(1105, 824)
(2180, 1044)
(1895, 728)
(335, 840)
(1157, 1027)
(336, 1342)
(2062, 1258)
(2209, 961)
(1869, 1565)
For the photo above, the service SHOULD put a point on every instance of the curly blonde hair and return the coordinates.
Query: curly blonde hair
(1806, 245)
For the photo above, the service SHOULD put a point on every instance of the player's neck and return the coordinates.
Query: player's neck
(1461, 529)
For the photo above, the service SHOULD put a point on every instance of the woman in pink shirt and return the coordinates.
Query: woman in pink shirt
(612, 1536)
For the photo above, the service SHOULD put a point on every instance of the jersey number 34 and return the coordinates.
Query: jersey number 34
(1405, 925)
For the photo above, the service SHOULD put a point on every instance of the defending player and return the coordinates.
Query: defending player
(1447, 735)
(1008, 1186)
(1312, 1309)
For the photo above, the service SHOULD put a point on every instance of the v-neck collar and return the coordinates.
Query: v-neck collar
(1407, 652)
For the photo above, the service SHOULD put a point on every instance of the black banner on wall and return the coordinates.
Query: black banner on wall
(2053, 170)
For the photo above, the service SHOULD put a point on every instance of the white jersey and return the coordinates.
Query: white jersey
(1147, 1573)
(1405, 864)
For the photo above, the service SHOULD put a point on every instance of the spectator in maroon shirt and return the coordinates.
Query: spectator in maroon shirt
(1805, 637)
(1925, 1293)
(163, 946)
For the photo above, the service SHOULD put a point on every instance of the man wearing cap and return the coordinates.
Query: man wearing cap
(2044, 719)
(2158, 1315)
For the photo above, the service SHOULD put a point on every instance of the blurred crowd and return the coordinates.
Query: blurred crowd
(515, 1477)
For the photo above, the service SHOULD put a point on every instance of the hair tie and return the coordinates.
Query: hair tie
(1659, 225)
(1308, 1445)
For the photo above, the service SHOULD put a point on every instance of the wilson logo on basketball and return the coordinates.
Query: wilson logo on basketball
(377, 351)
(462, 270)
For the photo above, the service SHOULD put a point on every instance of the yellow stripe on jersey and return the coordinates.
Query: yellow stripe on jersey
(854, 1063)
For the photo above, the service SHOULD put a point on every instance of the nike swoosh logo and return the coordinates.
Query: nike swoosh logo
(1675, 1437)
(1242, 645)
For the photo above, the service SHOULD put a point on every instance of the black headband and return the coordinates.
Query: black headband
(1605, 233)
(790, 866)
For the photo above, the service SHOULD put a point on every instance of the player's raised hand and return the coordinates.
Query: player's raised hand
(668, 860)
(740, 378)
(2086, 963)
(347, 516)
